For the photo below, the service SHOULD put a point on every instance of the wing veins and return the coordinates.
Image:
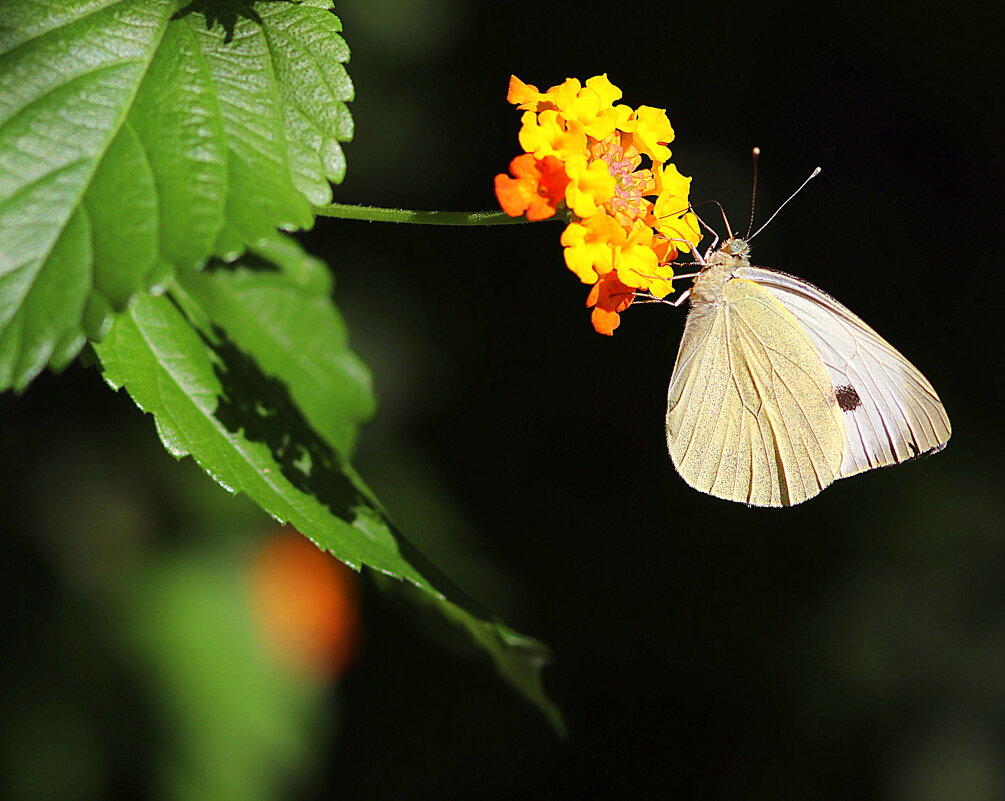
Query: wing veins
(701, 405)
(792, 395)
(779, 463)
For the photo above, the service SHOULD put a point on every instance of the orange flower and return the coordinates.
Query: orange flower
(538, 186)
(608, 297)
(523, 95)
(628, 209)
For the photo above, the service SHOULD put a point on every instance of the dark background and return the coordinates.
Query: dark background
(852, 647)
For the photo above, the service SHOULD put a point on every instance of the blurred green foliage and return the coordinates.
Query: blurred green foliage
(137, 669)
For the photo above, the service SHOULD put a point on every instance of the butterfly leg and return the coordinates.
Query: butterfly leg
(675, 276)
(709, 228)
(683, 296)
(641, 297)
(693, 247)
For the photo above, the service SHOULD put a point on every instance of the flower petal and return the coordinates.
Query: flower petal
(590, 184)
(652, 132)
(537, 188)
(522, 94)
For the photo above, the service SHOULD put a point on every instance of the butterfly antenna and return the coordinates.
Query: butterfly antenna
(753, 190)
(693, 208)
(722, 211)
(812, 175)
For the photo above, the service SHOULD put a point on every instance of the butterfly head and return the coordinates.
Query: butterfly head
(734, 246)
(718, 269)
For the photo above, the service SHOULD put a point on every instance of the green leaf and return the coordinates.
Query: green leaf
(138, 139)
(276, 302)
(217, 362)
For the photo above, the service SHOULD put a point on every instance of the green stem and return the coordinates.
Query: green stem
(346, 211)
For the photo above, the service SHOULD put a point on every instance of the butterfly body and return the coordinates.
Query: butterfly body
(778, 390)
(719, 268)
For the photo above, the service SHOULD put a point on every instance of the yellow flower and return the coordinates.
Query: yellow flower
(564, 95)
(591, 107)
(634, 259)
(662, 285)
(675, 223)
(547, 134)
(607, 161)
(588, 251)
(599, 245)
(590, 184)
(606, 91)
(673, 220)
(650, 132)
(669, 181)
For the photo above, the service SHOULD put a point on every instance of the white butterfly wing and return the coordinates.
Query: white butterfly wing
(890, 411)
(751, 415)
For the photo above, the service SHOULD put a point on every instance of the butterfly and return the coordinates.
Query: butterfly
(779, 390)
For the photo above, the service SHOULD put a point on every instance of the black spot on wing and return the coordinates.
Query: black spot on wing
(847, 398)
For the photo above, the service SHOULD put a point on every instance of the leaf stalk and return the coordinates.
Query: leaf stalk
(346, 211)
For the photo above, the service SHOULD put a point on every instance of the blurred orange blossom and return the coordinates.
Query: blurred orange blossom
(306, 606)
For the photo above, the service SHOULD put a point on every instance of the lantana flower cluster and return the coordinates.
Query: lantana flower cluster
(606, 169)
